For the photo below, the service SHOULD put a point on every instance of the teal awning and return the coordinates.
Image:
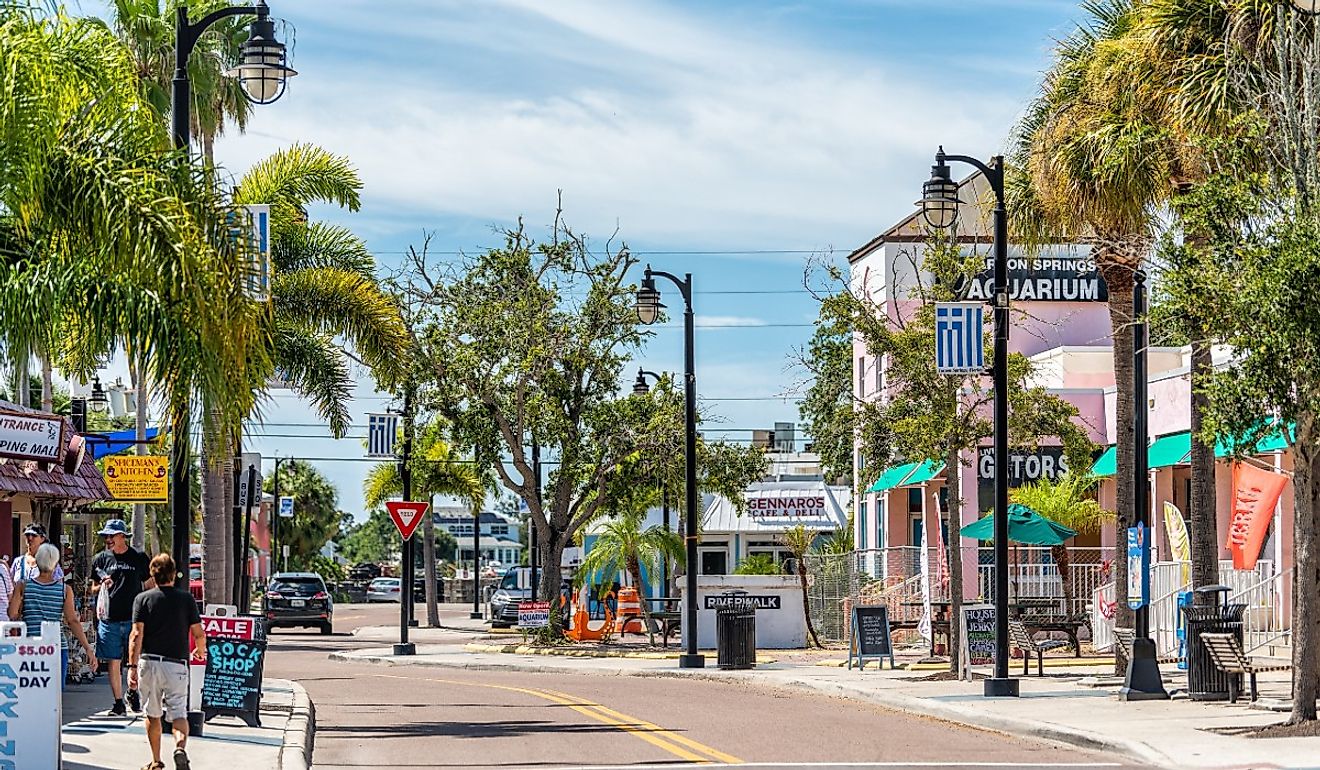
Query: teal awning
(1107, 463)
(1170, 450)
(892, 477)
(924, 472)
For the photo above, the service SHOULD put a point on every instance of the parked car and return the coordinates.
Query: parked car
(298, 599)
(385, 589)
(515, 587)
(195, 580)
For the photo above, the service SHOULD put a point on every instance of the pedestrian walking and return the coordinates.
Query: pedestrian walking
(163, 619)
(46, 598)
(123, 573)
(25, 566)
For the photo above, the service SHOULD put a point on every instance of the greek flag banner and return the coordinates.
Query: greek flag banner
(382, 430)
(959, 331)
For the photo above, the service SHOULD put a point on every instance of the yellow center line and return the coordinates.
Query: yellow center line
(678, 745)
(714, 753)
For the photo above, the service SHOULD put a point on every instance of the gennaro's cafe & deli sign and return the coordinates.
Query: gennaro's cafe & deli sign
(786, 507)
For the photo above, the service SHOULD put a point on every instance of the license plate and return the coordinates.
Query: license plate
(297, 603)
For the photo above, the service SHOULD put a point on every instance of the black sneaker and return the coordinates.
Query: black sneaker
(181, 760)
(134, 700)
(118, 709)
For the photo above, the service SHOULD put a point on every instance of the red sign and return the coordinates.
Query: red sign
(229, 627)
(1255, 492)
(407, 515)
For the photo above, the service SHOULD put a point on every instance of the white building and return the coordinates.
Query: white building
(501, 536)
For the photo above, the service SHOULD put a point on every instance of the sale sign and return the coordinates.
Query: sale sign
(30, 671)
(228, 627)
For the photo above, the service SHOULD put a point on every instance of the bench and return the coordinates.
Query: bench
(1228, 657)
(1020, 637)
(1123, 640)
(1044, 615)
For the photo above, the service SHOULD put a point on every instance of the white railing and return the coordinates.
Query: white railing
(1257, 588)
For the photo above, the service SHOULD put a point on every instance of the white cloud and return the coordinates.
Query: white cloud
(727, 321)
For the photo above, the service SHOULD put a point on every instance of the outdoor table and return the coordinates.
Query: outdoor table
(1047, 613)
(670, 616)
(939, 622)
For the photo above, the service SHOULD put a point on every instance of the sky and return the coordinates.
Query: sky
(737, 140)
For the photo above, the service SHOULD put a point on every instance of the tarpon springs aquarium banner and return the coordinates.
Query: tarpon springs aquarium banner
(1052, 278)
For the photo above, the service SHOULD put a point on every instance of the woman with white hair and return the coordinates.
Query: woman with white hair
(46, 598)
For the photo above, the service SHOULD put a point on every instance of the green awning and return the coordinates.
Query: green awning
(1170, 450)
(924, 472)
(1276, 440)
(892, 477)
(1107, 463)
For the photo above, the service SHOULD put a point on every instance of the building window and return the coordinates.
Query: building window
(715, 562)
(861, 376)
(500, 529)
(914, 499)
(879, 374)
(861, 526)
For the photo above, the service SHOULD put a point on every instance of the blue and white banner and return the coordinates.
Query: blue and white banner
(959, 337)
(382, 432)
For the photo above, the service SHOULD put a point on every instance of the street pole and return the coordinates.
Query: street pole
(245, 588)
(1143, 680)
(405, 647)
(664, 519)
(476, 566)
(940, 204)
(534, 558)
(275, 520)
(691, 658)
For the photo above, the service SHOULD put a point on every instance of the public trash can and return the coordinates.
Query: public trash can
(1184, 602)
(1204, 680)
(735, 631)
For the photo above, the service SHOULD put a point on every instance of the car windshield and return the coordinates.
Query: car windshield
(510, 581)
(297, 586)
(384, 582)
(195, 573)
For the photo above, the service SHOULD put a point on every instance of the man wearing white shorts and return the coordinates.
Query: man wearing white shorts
(163, 619)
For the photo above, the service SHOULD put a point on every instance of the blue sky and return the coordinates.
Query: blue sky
(731, 139)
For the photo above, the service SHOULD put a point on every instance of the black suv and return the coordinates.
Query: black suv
(298, 599)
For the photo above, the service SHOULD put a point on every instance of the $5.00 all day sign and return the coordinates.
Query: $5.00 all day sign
(30, 698)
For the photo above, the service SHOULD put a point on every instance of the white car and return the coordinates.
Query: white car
(384, 589)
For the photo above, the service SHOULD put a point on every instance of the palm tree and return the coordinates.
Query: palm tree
(799, 541)
(625, 544)
(436, 471)
(1068, 500)
(146, 27)
(1087, 173)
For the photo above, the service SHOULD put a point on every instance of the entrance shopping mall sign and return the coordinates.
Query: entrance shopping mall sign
(1048, 278)
(26, 436)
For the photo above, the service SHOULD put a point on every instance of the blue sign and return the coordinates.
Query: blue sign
(1138, 560)
(286, 507)
(959, 337)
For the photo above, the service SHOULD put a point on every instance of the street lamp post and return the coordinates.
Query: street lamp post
(263, 73)
(939, 204)
(648, 311)
(641, 388)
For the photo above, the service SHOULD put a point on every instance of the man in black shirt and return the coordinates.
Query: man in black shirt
(163, 619)
(122, 571)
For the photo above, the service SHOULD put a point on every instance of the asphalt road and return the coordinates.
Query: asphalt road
(412, 718)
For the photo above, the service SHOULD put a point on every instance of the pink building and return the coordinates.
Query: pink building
(1061, 322)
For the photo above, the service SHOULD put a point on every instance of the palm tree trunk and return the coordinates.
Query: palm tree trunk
(1119, 279)
(428, 561)
(1063, 562)
(952, 465)
(1205, 522)
(1306, 559)
(806, 599)
(634, 568)
(22, 379)
(47, 385)
(216, 534)
(137, 374)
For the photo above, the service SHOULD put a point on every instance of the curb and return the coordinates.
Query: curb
(299, 732)
(1070, 736)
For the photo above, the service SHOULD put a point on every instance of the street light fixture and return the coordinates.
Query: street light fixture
(939, 204)
(98, 401)
(648, 311)
(263, 74)
(640, 385)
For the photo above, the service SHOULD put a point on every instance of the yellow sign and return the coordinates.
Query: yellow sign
(143, 479)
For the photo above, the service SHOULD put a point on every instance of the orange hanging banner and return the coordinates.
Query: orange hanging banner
(1255, 492)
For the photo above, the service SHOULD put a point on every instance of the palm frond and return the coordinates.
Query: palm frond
(318, 370)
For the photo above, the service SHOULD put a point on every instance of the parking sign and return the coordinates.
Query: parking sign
(959, 331)
(286, 507)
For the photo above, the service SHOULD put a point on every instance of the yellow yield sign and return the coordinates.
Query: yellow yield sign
(138, 479)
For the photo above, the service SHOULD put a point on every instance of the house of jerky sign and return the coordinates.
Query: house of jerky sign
(1044, 279)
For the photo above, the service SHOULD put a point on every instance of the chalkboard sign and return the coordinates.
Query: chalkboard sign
(870, 635)
(233, 679)
(978, 635)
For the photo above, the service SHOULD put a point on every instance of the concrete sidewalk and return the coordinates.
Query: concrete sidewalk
(91, 739)
(1067, 708)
